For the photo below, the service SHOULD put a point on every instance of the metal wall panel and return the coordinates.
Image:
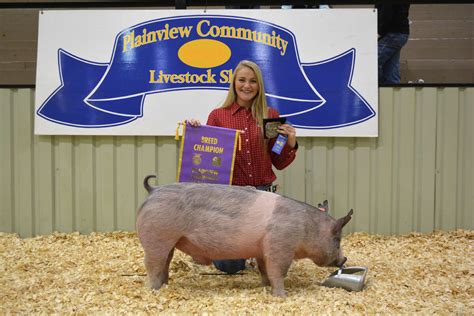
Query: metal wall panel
(454, 206)
(416, 176)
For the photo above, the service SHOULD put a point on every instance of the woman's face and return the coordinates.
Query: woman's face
(246, 86)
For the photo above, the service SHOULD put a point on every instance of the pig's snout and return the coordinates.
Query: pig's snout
(339, 262)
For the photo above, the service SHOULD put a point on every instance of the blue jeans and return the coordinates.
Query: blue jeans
(389, 48)
(229, 266)
(235, 265)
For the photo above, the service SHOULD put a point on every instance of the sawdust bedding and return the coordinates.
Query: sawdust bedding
(104, 273)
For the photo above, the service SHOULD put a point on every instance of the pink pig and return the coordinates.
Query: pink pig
(210, 221)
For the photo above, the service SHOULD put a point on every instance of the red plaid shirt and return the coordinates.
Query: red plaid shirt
(252, 166)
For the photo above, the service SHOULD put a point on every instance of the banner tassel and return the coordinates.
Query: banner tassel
(240, 141)
(176, 136)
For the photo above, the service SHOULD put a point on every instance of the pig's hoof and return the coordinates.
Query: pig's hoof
(265, 282)
(156, 288)
(279, 293)
(156, 285)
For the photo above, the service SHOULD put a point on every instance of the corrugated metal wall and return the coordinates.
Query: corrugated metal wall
(418, 175)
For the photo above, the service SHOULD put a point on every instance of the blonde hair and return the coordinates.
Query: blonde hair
(259, 104)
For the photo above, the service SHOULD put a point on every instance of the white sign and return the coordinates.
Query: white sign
(139, 72)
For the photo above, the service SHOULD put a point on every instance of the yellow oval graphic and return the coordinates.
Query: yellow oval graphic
(204, 53)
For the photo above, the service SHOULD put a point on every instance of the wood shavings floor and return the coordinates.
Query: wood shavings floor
(104, 273)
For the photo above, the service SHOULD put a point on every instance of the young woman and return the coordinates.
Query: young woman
(244, 108)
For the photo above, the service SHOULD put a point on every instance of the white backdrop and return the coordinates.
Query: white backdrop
(91, 34)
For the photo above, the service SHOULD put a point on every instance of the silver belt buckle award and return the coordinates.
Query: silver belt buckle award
(270, 128)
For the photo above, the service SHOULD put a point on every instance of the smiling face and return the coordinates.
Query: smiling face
(246, 86)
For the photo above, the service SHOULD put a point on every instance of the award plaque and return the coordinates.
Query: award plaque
(270, 126)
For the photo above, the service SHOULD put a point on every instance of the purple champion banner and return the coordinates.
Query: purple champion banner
(207, 154)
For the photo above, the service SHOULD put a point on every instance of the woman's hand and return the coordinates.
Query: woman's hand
(192, 122)
(288, 130)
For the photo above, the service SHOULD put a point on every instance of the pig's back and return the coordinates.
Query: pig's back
(209, 219)
(201, 198)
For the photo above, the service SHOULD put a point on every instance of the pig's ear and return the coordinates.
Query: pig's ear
(341, 222)
(347, 218)
(324, 207)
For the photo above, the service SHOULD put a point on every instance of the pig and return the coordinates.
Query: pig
(324, 207)
(211, 221)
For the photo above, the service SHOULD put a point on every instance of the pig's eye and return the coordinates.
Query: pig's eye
(337, 241)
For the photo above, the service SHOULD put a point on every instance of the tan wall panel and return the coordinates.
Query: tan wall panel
(19, 24)
(441, 11)
(18, 45)
(416, 176)
(441, 29)
(16, 66)
(24, 53)
(434, 74)
(458, 48)
(18, 77)
(441, 33)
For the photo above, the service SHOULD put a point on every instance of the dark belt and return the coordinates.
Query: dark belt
(267, 187)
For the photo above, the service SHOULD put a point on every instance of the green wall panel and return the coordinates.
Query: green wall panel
(416, 176)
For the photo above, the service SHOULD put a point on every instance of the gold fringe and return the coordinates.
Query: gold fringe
(176, 136)
(240, 140)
